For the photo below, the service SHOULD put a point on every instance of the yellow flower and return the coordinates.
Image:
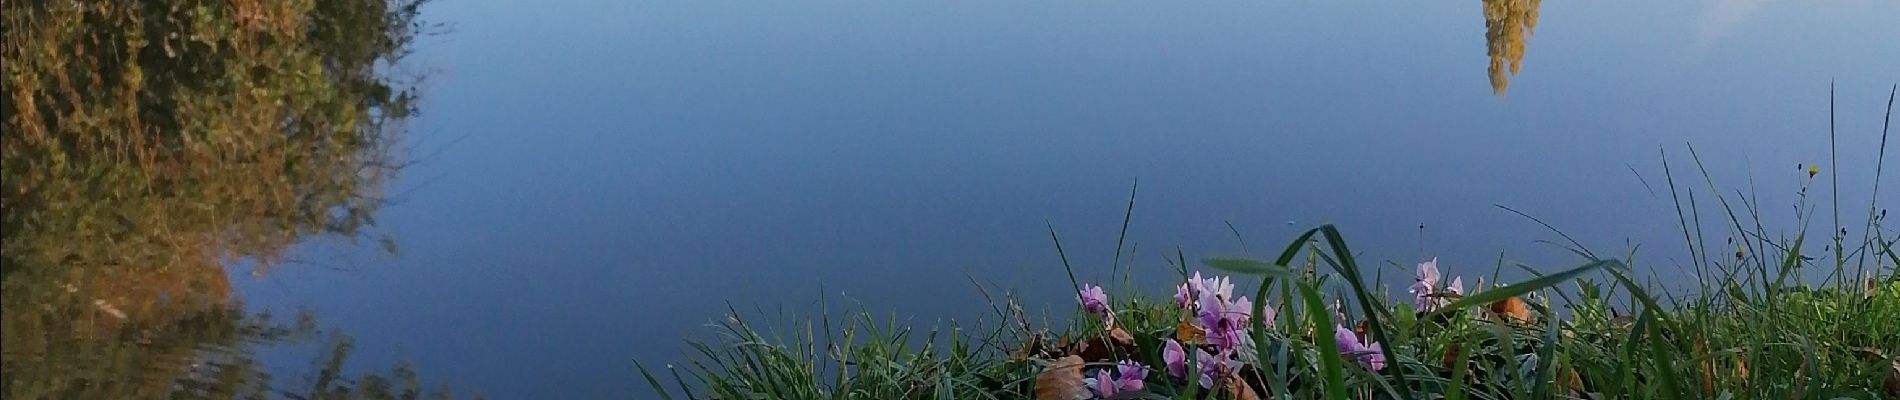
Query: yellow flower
(1813, 170)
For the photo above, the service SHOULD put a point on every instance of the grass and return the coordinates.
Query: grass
(1750, 327)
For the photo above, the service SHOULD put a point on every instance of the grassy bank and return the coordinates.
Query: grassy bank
(1750, 325)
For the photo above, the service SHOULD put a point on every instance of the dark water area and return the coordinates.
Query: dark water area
(589, 182)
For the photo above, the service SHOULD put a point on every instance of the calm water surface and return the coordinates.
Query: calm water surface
(598, 179)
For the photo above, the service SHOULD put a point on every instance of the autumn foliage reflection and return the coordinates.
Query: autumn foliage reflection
(150, 143)
(1507, 30)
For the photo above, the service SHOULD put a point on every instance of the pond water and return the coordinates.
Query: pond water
(594, 181)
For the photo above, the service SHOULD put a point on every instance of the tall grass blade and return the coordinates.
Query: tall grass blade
(1573, 241)
(1493, 295)
(1252, 267)
(1789, 263)
(1546, 359)
(1074, 284)
(1121, 238)
(1664, 364)
(1332, 373)
(657, 388)
(1626, 365)
(1350, 268)
(1456, 388)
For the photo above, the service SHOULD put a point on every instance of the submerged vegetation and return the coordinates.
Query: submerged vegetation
(1313, 325)
(147, 144)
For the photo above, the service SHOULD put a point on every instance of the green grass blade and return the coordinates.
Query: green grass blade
(1332, 372)
(1350, 268)
(1663, 363)
(1626, 367)
(1121, 238)
(1293, 249)
(1789, 263)
(1456, 390)
(1493, 295)
(657, 388)
(1251, 267)
(1546, 359)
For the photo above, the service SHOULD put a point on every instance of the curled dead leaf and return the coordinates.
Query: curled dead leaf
(1031, 347)
(1062, 380)
(1121, 337)
(1571, 382)
(1187, 333)
(1451, 355)
(1237, 389)
(1512, 309)
(1623, 323)
(1105, 347)
(1893, 379)
(1707, 367)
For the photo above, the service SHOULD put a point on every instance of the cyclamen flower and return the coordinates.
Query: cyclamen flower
(1128, 377)
(1218, 286)
(1176, 359)
(1210, 364)
(1093, 299)
(1219, 314)
(1215, 365)
(1184, 296)
(1371, 355)
(1225, 322)
(1426, 294)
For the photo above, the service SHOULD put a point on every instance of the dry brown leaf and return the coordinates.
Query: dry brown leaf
(1512, 309)
(1062, 380)
(1893, 379)
(1189, 334)
(1451, 355)
(1029, 349)
(1623, 322)
(1572, 382)
(1105, 347)
(1121, 337)
(1237, 389)
(1707, 367)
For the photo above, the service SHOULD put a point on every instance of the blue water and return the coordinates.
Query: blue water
(595, 179)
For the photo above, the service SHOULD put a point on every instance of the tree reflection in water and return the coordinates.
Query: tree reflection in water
(149, 143)
(1507, 31)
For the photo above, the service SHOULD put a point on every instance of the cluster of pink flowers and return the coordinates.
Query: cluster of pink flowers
(1217, 312)
(1128, 377)
(1210, 364)
(1216, 330)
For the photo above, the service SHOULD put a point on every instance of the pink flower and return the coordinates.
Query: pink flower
(1093, 299)
(1184, 296)
(1211, 365)
(1215, 365)
(1371, 355)
(1128, 377)
(1426, 294)
(1222, 317)
(1267, 315)
(1176, 359)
